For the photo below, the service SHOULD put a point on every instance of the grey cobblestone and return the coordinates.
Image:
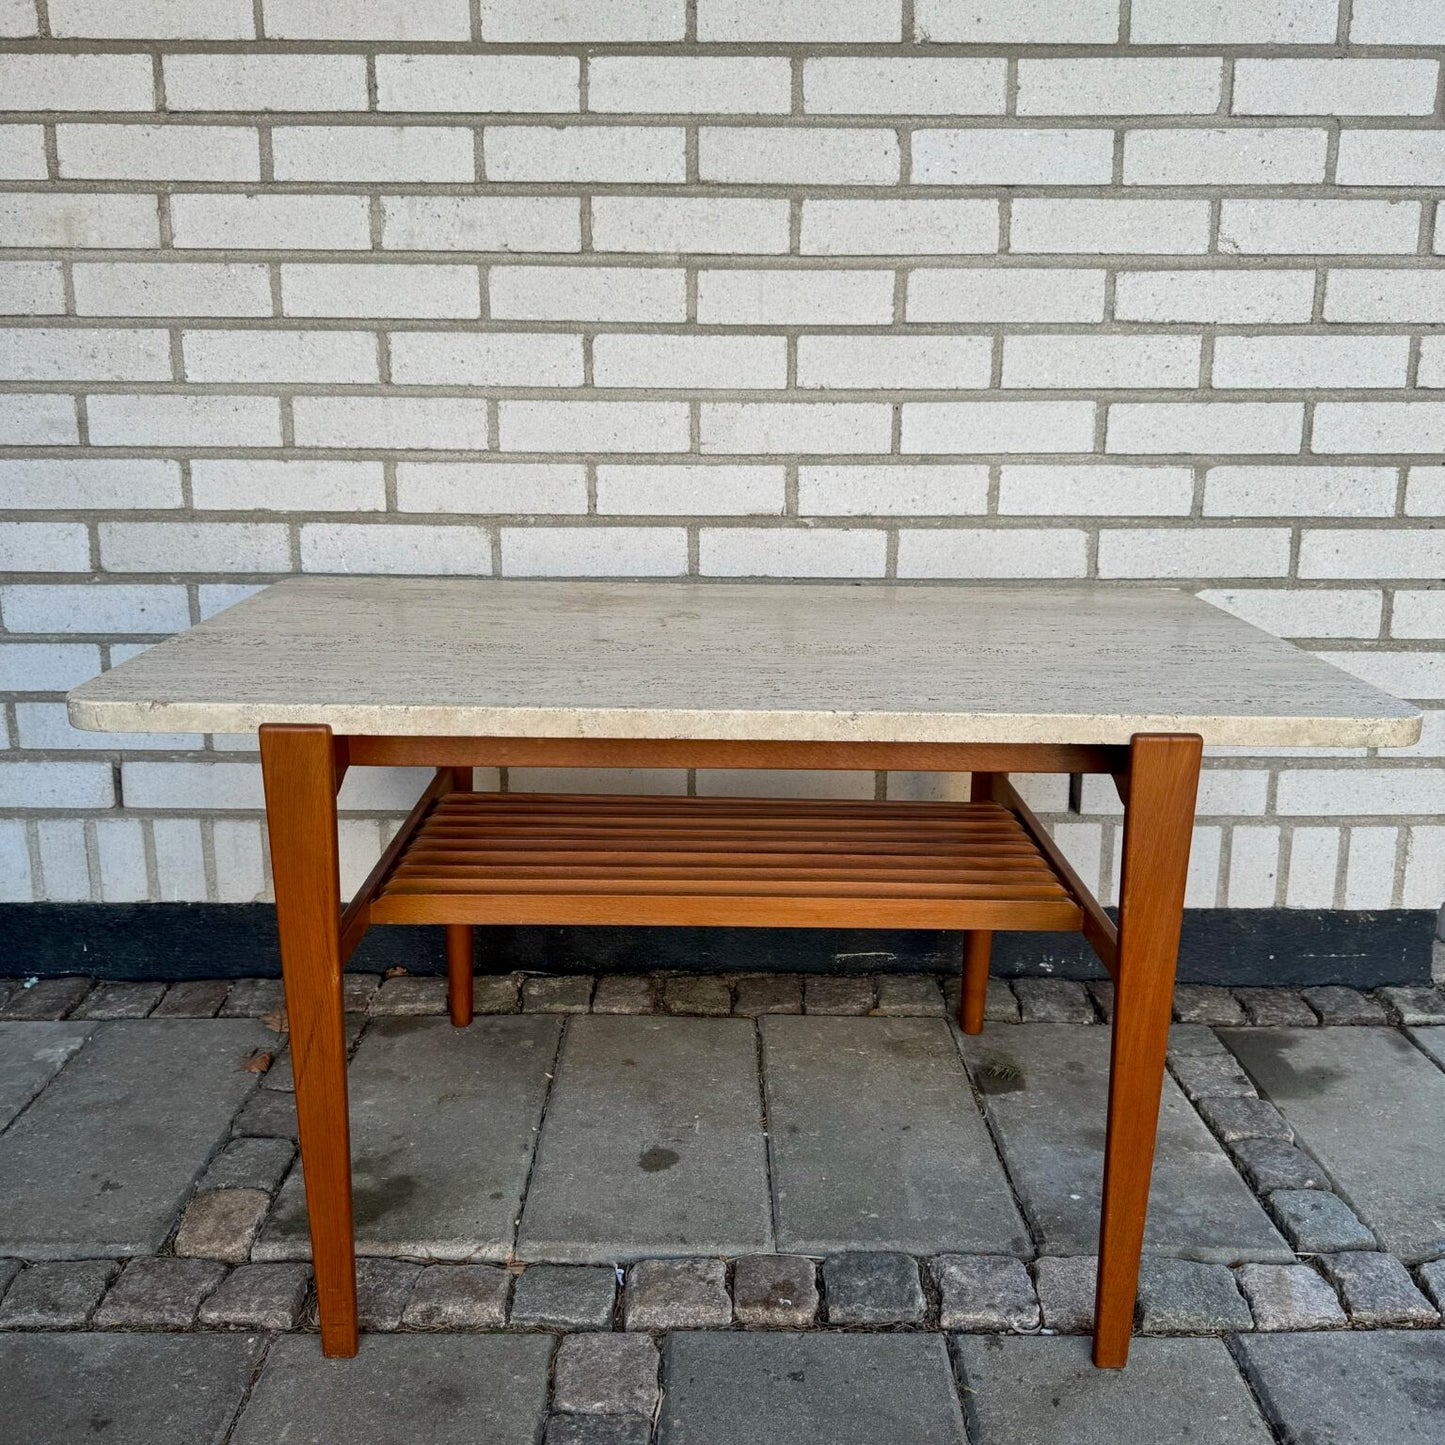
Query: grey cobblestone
(382, 1289)
(1195, 1041)
(1272, 1164)
(1289, 1297)
(159, 1293)
(9, 1268)
(1184, 1297)
(623, 993)
(1235, 1118)
(56, 1294)
(1053, 1001)
(259, 1297)
(557, 994)
(1432, 1279)
(192, 999)
(564, 1297)
(47, 998)
(115, 1000)
(1101, 990)
(1275, 1008)
(1316, 1221)
(268, 1114)
(908, 995)
(1338, 1005)
(826, 994)
(458, 1297)
(606, 1374)
(1197, 1003)
(1378, 1291)
(222, 1224)
(250, 1163)
(775, 1291)
(677, 1294)
(1000, 1004)
(984, 1292)
(1211, 1076)
(768, 993)
(1066, 1285)
(1416, 1003)
(409, 996)
(251, 997)
(877, 1287)
(704, 994)
(598, 1430)
(358, 990)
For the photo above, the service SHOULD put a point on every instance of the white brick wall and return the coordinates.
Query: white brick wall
(951, 289)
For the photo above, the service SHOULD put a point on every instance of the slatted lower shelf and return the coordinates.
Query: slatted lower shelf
(740, 862)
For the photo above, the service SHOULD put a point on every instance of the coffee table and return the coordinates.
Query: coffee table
(336, 673)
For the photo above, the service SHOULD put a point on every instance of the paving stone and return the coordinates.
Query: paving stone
(1101, 990)
(1289, 1297)
(124, 1389)
(56, 1294)
(31, 1054)
(252, 997)
(1371, 1108)
(775, 1291)
(46, 998)
(1275, 1008)
(984, 1292)
(1432, 1276)
(1316, 1221)
(409, 996)
(768, 993)
(1066, 1285)
(443, 1123)
(159, 1292)
(280, 1075)
(564, 1297)
(1211, 1076)
(875, 1142)
(623, 993)
(905, 995)
(697, 994)
(873, 1287)
(443, 1389)
(1053, 1001)
(458, 1297)
(1377, 1290)
(1272, 1164)
(1189, 1041)
(100, 1163)
(1184, 1297)
(825, 994)
(383, 1287)
(596, 1374)
(677, 1294)
(222, 1224)
(358, 990)
(1360, 1388)
(1046, 1391)
(115, 1000)
(199, 998)
(250, 1164)
(1338, 1005)
(653, 1144)
(598, 1430)
(1197, 1003)
(1244, 1118)
(269, 1114)
(743, 1388)
(557, 994)
(1000, 1004)
(1416, 1003)
(1431, 1041)
(258, 1297)
(1045, 1086)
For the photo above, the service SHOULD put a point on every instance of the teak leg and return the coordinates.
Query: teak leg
(1158, 824)
(297, 763)
(977, 945)
(459, 973)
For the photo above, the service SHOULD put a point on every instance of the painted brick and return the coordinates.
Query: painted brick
(1313, 864)
(373, 153)
(1025, 22)
(1379, 426)
(840, 21)
(1194, 551)
(775, 156)
(790, 552)
(1117, 86)
(1234, 22)
(376, 20)
(38, 420)
(1409, 674)
(1237, 156)
(1068, 226)
(681, 489)
(72, 354)
(907, 227)
(595, 293)
(1016, 157)
(735, 362)
(1317, 227)
(894, 362)
(384, 290)
(679, 84)
(1397, 22)
(368, 548)
(1391, 158)
(89, 484)
(1015, 294)
(1233, 297)
(1372, 552)
(478, 488)
(481, 223)
(139, 288)
(31, 288)
(585, 153)
(892, 490)
(280, 356)
(510, 358)
(158, 152)
(257, 485)
(1310, 361)
(186, 546)
(1418, 614)
(603, 551)
(270, 222)
(44, 547)
(1211, 426)
(1424, 866)
(18, 18)
(594, 426)
(1317, 612)
(1022, 552)
(29, 785)
(847, 85)
(998, 426)
(1312, 491)
(698, 224)
(1108, 491)
(16, 881)
(1076, 361)
(783, 298)
(1432, 362)
(1340, 792)
(77, 82)
(1379, 295)
(228, 786)
(114, 607)
(76, 219)
(569, 21)
(264, 82)
(404, 423)
(824, 428)
(184, 421)
(1335, 87)
(477, 83)
(1425, 492)
(22, 153)
(152, 19)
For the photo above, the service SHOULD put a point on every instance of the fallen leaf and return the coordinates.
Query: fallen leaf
(276, 1019)
(259, 1062)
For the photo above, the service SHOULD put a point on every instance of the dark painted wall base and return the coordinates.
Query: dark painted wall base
(226, 940)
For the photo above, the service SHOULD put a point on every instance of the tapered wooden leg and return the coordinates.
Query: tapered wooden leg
(459, 973)
(1158, 823)
(977, 945)
(297, 764)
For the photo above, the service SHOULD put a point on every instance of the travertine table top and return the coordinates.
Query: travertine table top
(1031, 664)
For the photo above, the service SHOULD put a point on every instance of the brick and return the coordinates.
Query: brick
(1424, 492)
(593, 293)
(798, 20)
(402, 422)
(44, 547)
(998, 426)
(892, 490)
(18, 18)
(1112, 362)
(263, 82)
(158, 152)
(28, 288)
(1391, 158)
(270, 222)
(1194, 552)
(570, 21)
(1315, 491)
(38, 421)
(672, 362)
(594, 551)
(380, 290)
(818, 427)
(88, 483)
(1016, 294)
(1380, 295)
(77, 82)
(378, 20)
(1379, 426)
(1339, 792)
(780, 298)
(1233, 156)
(88, 608)
(652, 153)
(777, 552)
(481, 223)
(373, 153)
(1095, 490)
(184, 421)
(869, 85)
(1321, 612)
(594, 426)
(1014, 157)
(902, 227)
(280, 356)
(992, 552)
(1335, 87)
(1310, 361)
(500, 487)
(1081, 85)
(440, 358)
(138, 288)
(1221, 426)
(39, 354)
(1416, 614)
(701, 224)
(1075, 226)
(894, 362)
(1432, 362)
(1242, 297)
(152, 19)
(193, 547)
(373, 548)
(75, 219)
(1396, 22)
(22, 153)
(1317, 227)
(773, 155)
(1026, 22)
(477, 83)
(1234, 22)
(679, 84)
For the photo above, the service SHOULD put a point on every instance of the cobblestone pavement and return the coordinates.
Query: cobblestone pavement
(719, 1209)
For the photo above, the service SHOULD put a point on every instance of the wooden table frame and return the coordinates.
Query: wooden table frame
(1157, 778)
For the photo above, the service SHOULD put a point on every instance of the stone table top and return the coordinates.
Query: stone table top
(697, 660)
